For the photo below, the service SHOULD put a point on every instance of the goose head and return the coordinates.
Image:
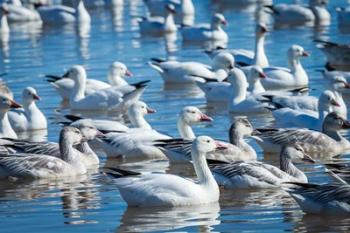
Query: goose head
(71, 135)
(223, 60)
(327, 101)
(205, 144)
(218, 20)
(137, 112)
(295, 152)
(77, 73)
(339, 82)
(29, 95)
(191, 115)
(261, 29)
(170, 9)
(295, 52)
(117, 70)
(334, 122)
(6, 103)
(87, 128)
(241, 126)
(255, 74)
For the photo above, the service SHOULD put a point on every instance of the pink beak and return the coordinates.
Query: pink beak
(151, 110)
(347, 85)
(128, 73)
(306, 54)
(13, 104)
(262, 75)
(36, 97)
(220, 146)
(335, 103)
(205, 118)
(224, 22)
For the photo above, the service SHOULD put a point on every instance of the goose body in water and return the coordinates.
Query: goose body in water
(156, 189)
(35, 166)
(262, 175)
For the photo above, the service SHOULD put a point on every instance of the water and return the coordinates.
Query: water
(93, 203)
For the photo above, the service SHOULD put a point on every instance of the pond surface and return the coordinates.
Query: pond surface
(93, 203)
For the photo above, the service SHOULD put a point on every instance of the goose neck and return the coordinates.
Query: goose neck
(332, 133)
(66, 149)
(239, 92)
(260, 56)
(256, 87)
(86, 150)
(115, 79)
(138, 121)
(185, 130)
(288, 167)
(4, 27)
(169, 21)
(79, 88)
(5, 127)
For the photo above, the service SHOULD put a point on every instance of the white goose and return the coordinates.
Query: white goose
(145, 190)
(337, 54)
(139, 143)
(245, 57)
(343, 15)
(298, 14)
(29, 117)
(224, 91)
(262, 175)
(6, 103)
(37, 166)
(116, 74)
(87, 156)
(108, 98)
(184, 9)
(187, 72)
(59, 14)
(214, 32)
(328, 199)
(179, 151)
(4, 26)
(159, 26)
(287, 117)
(327, 143)
(136, 114)
(281, 78)
(19, 13)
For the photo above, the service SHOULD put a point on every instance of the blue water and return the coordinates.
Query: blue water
(93, 204)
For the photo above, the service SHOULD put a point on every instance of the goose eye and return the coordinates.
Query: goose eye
(193, 112)
(208, 141)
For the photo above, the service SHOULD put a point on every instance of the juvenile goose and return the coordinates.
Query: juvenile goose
(116, 74)
(139, 143)
(59, 14)
(179, 151)
(262, 175)
(109, 98)
(37, 166)
(87, 156)
(6, 103)
(214, 32)
(156, 189)
(337, 54)
(329, 199)
(327, 143)
(159, 26)
(188, 72)
(136, 114)
(281, 78)
(287, 117)
(29, 117)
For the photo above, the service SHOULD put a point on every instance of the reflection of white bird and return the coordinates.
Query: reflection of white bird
(145, 190)
(4, 26)
(19, 13)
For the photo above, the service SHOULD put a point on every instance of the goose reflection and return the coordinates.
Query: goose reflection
(83, 32)
(117, 17)
(170, 42)
(201, 217)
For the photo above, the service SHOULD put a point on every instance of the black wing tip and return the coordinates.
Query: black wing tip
(73, 118)
(119, 173)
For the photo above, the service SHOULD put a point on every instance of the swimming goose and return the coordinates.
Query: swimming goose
(316, 12)
(136, 114)
(156, 189)
(159, 26)
(184, 10)
(262, 175)
(139, 143)
(19, 13)
(116, 74)
(282, 78)
(87, 156)
(187, 72)
(343, 16)
(59, 14)
(35, 166)
(214, 32)
(327, 143)
(287, 117)
(6, 103)
(108, 98)
(329, 199)
(179, 151)
(224, 91)
(29, 117)
(335, 84)
(337, 54)
(245, 57)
